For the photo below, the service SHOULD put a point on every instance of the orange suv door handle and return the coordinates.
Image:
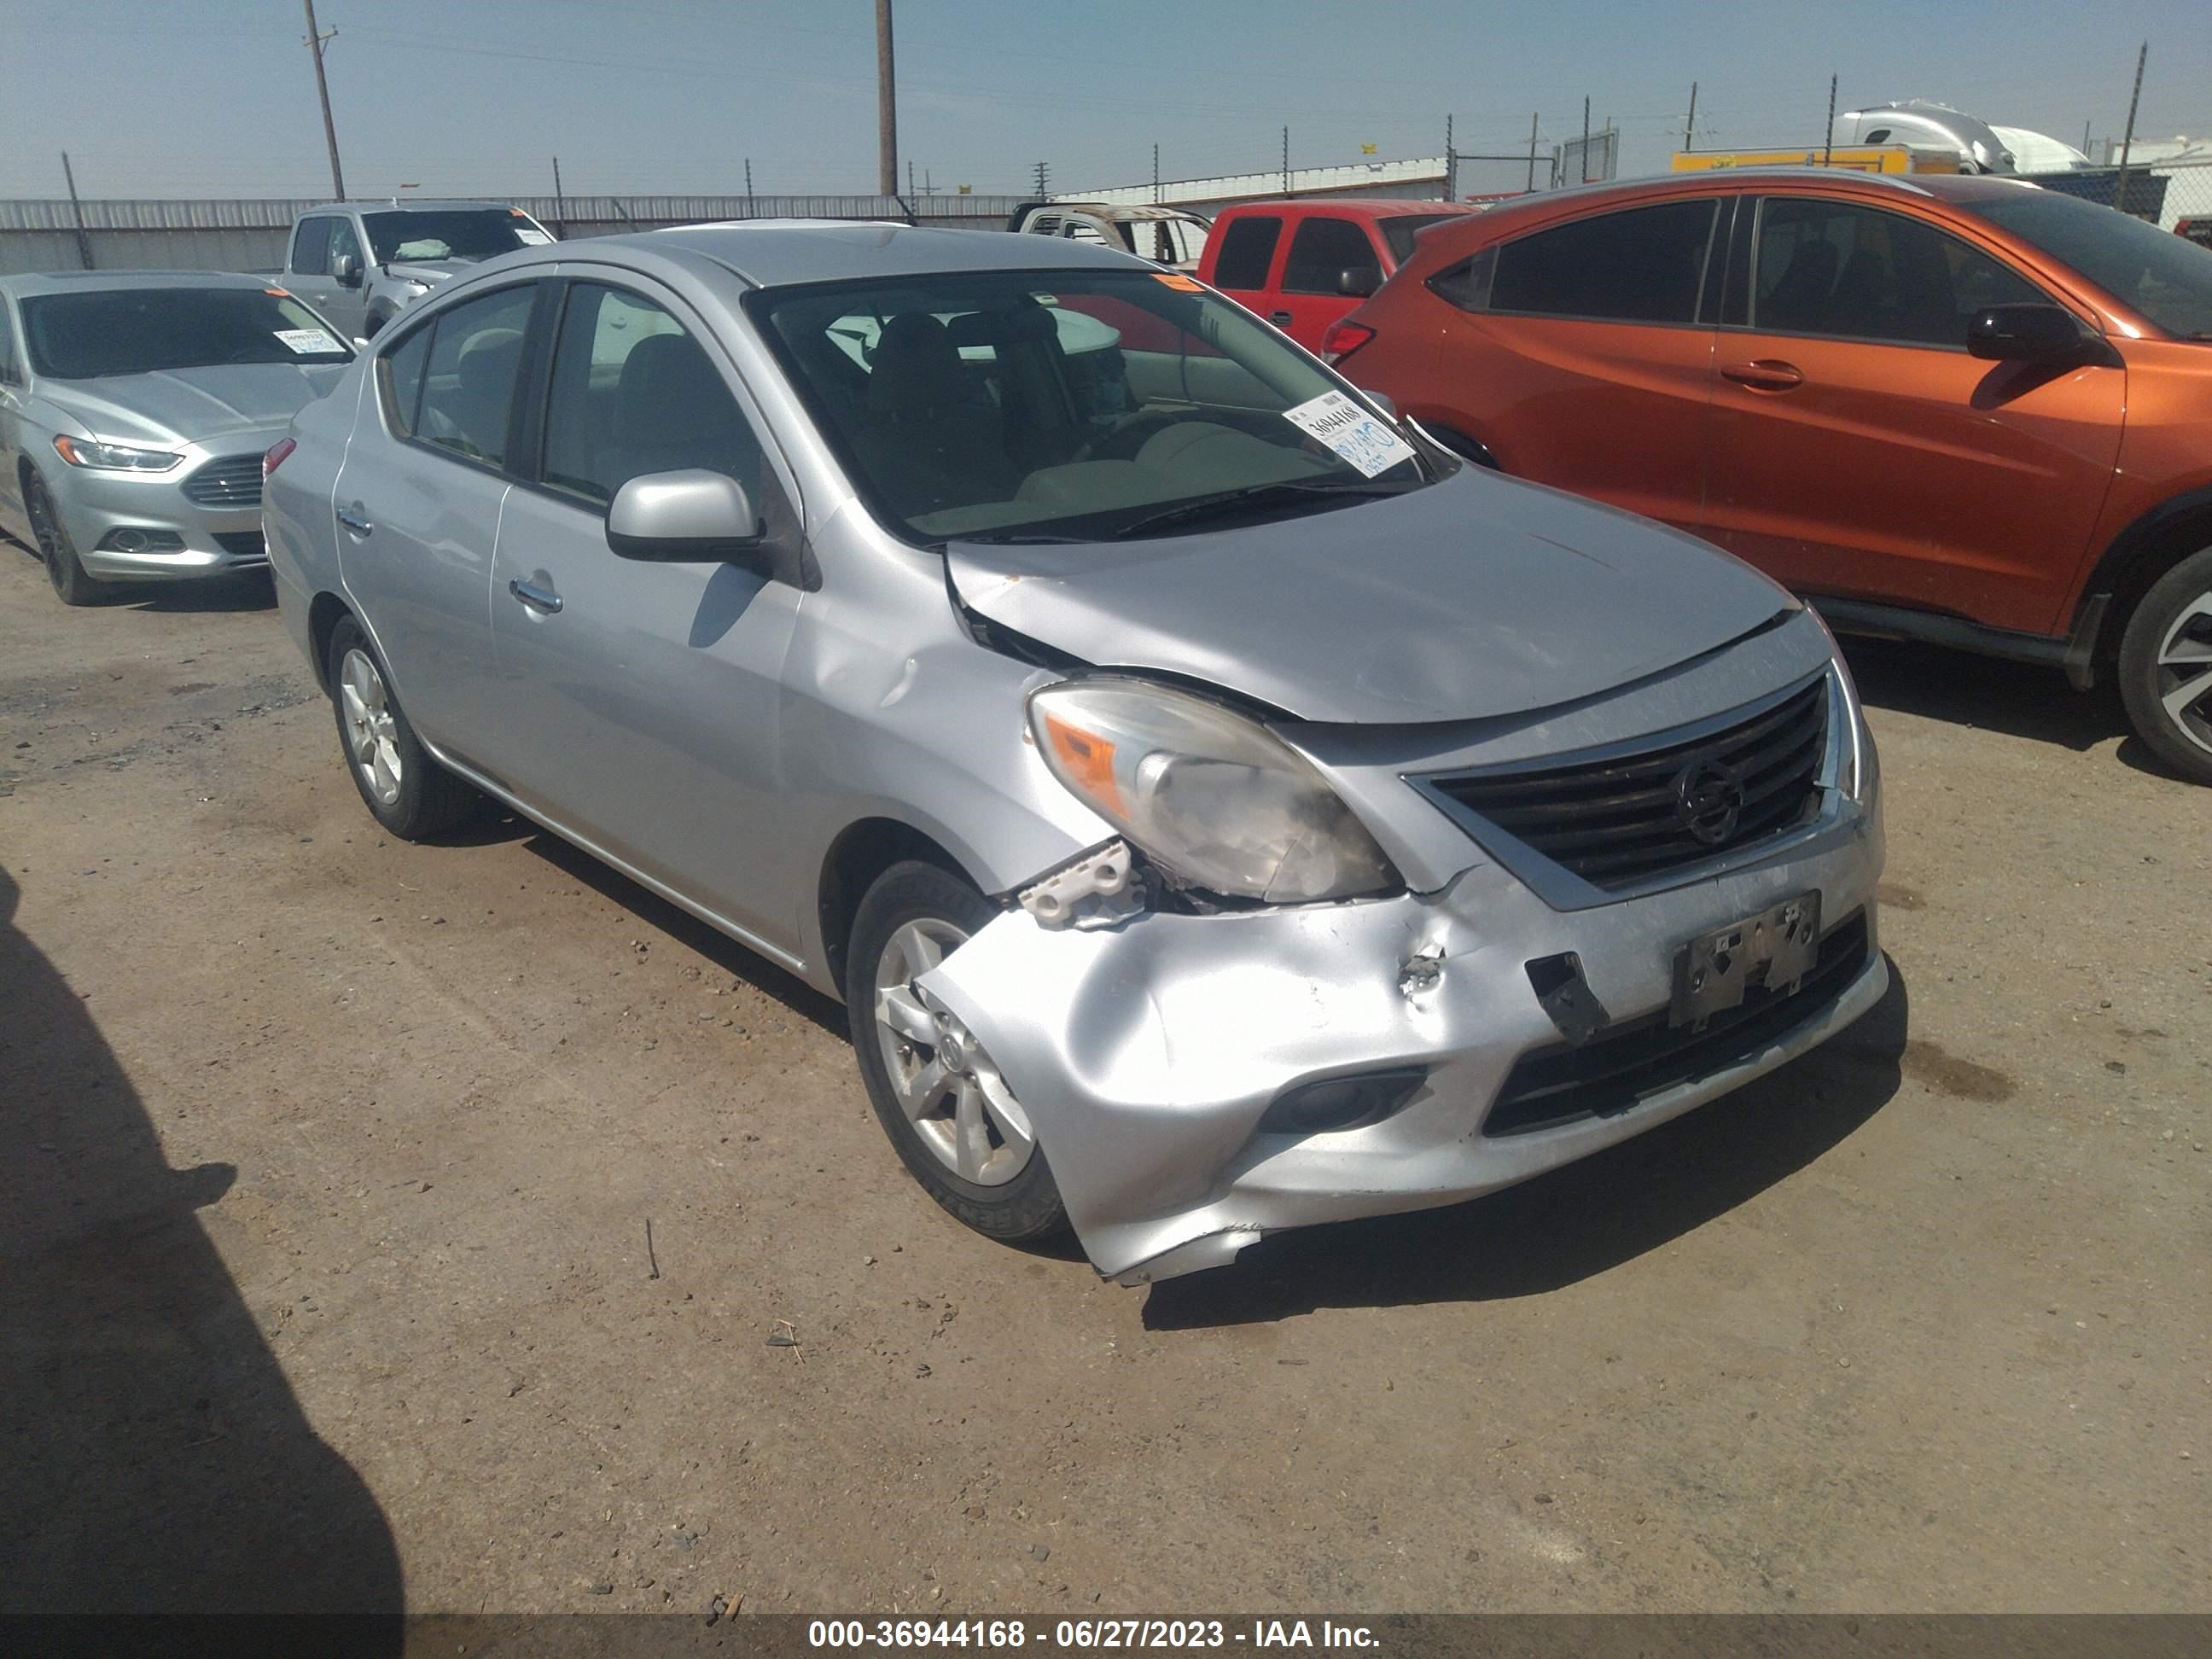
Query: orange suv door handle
(1766, 374)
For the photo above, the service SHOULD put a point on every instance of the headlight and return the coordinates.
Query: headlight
(1864, 768)
(113, 458)
(1209, 795)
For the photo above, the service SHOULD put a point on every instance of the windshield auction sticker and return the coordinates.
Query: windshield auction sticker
(1352, 432)
(307, 342)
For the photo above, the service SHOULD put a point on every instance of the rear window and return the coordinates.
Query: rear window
(144, 330)
(1400, 229)
(2165, 277)
(1322, 251)
(1643, 265)
(1248, 249)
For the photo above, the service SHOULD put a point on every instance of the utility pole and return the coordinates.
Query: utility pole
(1533, 119)
(1690, 121)
(317, 41)
(560, 202)
(1043, 172)
(886, 106)
(1828, 132)
(909, 175)
(1156, 175)
(1286, 161)
(83, 241)
(2128, 137)
(749, 187)
(1586, 178)
(1451, 164)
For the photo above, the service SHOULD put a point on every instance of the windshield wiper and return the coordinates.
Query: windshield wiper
(1020, 538)
(1230, 501)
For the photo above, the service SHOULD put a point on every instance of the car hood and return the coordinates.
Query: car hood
(1477, 596)
(192, 406)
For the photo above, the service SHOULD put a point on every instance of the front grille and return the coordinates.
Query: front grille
(1626, 1064)
(243, 544)
(234, 480)
(1628, 819)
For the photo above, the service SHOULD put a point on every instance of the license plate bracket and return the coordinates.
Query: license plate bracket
(1775, 949)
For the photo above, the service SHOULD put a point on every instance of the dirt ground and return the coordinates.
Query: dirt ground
(329, 1163)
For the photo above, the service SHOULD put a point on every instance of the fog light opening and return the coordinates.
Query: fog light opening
(1332, 1105)
(131, 539)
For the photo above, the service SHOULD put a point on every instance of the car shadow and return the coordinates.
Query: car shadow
(157, 1459)
(2018, 699)
(686, 929)
(252, 590)
(1576, 1222)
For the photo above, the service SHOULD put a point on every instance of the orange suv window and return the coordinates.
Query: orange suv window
(1858, 273)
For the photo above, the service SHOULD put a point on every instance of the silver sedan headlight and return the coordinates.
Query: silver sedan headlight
(113, 458)
(1209, 795)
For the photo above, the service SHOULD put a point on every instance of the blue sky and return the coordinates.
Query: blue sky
(217, 97)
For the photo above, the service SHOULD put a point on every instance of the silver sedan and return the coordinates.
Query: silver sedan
(135, 410)
(1220, 809)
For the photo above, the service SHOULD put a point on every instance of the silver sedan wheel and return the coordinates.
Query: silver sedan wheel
(372, 731)
(946, 1083)
(2184, 672)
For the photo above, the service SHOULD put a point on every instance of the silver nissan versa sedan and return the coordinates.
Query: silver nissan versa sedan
(134, 408)
(1221, 810)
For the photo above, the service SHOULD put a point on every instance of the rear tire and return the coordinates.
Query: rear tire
(2165, 667)
(405, 789)
(945, 1106)
(65, 572)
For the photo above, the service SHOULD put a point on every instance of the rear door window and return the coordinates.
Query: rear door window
(1322, 251)
(311, 246)
(1248, 249)
(1642, 265)
(1859, 273)
(468, 383)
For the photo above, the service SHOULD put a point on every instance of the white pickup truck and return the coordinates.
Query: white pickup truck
(1170, 236)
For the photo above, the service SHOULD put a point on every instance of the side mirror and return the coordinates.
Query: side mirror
(1358, 281)
(2027, 334)
(691, 517)
(347, 268)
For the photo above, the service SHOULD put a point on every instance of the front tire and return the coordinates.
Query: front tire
(957, 1127)
(2165, 667)
(65, 572)
(405, 789)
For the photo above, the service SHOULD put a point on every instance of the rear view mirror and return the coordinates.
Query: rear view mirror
(2025, 333)
(1358, 281)
(691, 517)
(347, 268)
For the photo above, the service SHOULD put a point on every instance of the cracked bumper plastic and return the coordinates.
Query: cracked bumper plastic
(1145, 1054)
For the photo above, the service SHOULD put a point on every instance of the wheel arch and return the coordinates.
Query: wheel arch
(325, 612)
(2131, 566)
(861, 851)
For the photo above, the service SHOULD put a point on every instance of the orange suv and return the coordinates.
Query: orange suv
(1965, 410)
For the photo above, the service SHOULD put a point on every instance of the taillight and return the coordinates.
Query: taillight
(1342, 339)
(275, 457)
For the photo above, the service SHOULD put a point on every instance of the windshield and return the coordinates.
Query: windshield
(141, 330)
(449, 232)
(2166, 278)
(1399, 229)
(1068, 403)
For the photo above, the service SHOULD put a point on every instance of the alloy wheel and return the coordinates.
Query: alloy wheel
(2184, 672)
(372, 730)
(946, 1086)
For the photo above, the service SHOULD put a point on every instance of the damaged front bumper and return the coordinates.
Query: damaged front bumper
(1147, 1053)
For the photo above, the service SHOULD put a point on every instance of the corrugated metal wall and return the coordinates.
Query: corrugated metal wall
(246, 234)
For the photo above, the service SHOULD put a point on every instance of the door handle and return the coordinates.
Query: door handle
(1279, 318)
(544, 600)
(1766, 374)
(353, 520)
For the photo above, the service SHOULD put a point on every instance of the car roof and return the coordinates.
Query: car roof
(440, 204)
(80, 282)
(1379, 207)
(778, 253)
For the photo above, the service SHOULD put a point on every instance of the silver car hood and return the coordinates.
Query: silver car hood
(192, 406)
(1479, 596)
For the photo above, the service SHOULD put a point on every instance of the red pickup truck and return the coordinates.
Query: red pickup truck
(1335, 254)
